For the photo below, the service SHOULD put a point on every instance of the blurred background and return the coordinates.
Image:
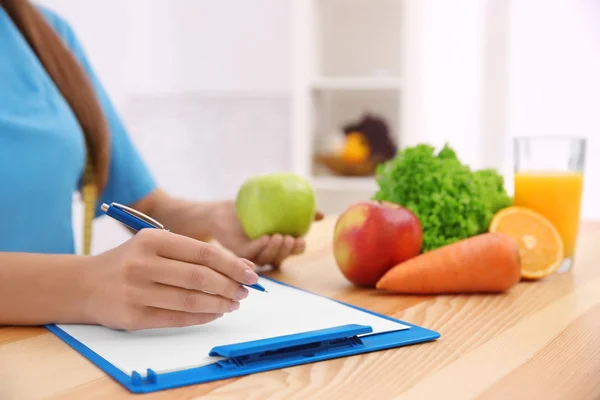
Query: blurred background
(215, 91)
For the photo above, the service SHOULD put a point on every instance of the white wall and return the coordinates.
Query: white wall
(444, 75)
(233, 45)
(555, 77)
(543, 79)
(153, 47)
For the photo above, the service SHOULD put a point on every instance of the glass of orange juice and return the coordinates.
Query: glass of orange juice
(549, 179)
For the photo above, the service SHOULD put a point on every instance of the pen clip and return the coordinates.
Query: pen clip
(139, 215)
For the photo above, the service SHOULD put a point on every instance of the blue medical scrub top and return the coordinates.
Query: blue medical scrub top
(42, 148)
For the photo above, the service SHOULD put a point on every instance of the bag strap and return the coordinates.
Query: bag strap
(89, 193)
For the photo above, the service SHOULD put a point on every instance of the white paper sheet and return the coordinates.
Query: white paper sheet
(282, 311)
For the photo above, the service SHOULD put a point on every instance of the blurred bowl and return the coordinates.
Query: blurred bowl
(339, 166)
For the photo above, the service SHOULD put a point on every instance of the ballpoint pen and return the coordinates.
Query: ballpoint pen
(138, 221)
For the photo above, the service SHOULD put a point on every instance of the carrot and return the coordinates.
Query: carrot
(489, 262)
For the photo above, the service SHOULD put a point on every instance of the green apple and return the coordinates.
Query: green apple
(280, 202)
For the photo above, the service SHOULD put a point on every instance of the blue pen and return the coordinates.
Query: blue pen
(138, 221)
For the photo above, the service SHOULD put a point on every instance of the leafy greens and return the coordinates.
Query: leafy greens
(451, 201)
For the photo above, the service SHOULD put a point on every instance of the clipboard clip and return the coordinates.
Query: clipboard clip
(304, 345)
(150, 378)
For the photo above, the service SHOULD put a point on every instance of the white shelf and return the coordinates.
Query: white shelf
(344, 183)
(383, 57)
(358, 83)
(349, 60)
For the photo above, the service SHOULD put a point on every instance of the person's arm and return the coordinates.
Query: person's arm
(37, 289)
(189, 218)
(218, 221)
(155, 279)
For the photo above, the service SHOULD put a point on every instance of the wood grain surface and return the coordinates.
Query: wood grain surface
(539, 341)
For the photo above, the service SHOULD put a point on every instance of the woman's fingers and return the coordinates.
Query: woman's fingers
(253, 248)
(151, 318)
(195, 277)
(183, 248)
(185, 300)
(285, 250)
(249, 263)
(269, 253)
(275, 249)
(299, 246)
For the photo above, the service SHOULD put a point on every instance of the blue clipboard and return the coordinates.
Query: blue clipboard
(248, 358)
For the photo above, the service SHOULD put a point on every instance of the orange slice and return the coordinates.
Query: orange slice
(540, 244)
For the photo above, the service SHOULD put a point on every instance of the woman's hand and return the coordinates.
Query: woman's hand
(266, 250)
(218, 220)
(161, 279)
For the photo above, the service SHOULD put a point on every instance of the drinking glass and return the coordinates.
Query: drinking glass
(548, 178)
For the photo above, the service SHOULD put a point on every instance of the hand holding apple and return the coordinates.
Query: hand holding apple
(278, 203)
(370, 237)
(265, 250)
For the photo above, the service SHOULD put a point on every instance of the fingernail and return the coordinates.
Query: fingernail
(241, 293)
(234, 306)
(250, 277)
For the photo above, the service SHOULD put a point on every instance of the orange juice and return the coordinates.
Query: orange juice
(557, 196)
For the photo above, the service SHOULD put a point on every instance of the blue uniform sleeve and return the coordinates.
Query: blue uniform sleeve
(129, 178)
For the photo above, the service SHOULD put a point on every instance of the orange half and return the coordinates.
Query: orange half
(540, 244)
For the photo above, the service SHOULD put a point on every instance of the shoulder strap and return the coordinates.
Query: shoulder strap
(89, 193)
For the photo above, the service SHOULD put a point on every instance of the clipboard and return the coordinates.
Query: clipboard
(269, 353)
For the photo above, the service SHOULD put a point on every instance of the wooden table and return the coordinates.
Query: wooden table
(540, 341)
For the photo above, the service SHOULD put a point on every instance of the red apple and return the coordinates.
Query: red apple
(370, 237)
